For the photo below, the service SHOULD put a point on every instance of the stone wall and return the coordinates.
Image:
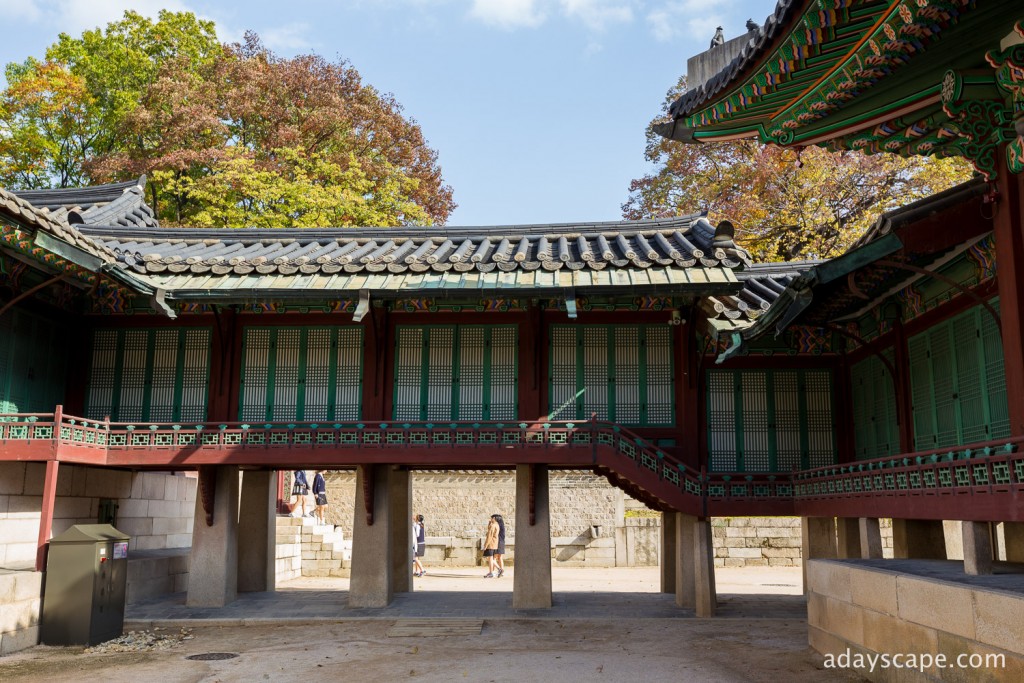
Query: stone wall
(459, 504)
(869, 611)
(156, 509)
(756, 541)
(19, 609)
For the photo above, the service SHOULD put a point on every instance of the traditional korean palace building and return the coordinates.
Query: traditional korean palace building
(885, 383)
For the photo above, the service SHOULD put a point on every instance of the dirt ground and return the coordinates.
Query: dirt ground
(505, 650)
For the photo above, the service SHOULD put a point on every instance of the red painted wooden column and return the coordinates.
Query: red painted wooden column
(904, 404)
(46, 513)
(688, 409)
(531, 364)
(224, 358)
(843, 419)
(1008, 223)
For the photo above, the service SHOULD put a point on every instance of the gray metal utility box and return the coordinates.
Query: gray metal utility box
(84, 593)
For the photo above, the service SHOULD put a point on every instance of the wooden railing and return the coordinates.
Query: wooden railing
(986, 477)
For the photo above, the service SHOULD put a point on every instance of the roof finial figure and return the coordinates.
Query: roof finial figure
(752, 25)
(719, 38)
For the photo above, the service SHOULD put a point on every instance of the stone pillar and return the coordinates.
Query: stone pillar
(848, 537)
(919, 539)
(977, 547)
(668, 552)
(686, 586)
(704, 569)
(400, 519)
(257, 531)
(213, 566)
(870, 538)
(531, 584)
(370, 584)
(1013, 541)
(817, 541)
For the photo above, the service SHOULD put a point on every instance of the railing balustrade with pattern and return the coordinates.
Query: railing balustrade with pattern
(984, 471)
(988, 467)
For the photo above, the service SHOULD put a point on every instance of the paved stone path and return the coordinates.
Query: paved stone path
(621, 593)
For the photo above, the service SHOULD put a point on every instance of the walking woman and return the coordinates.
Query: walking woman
(300, 489)
(491, 546)
(499, 552)
(420, 545)
(320, 493)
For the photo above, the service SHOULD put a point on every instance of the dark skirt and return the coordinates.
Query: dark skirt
(420, 549)
(321, 499)
(300, 490)
(489, 552)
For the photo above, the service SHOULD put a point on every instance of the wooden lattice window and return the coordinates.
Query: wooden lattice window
(958, 387)
(623, 373)
(32, 362)
(769, 420)
(301, 373)
(149, 375)
(875, 432)
(456, 372)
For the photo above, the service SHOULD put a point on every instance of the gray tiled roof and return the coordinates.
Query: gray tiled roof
(39, 219)
(683, 242)
(762, 285)
(121, 204)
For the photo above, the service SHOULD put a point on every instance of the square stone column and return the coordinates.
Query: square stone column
(400, 519)
(918, 539)
(977, 538)
(686, 580)
(257, 531)
(669, 552)
(848, 542)
(818, 541)
(213, 566)
(704, 569)
(370, 584)
(1012, 541)
(870, 538)
(531, 584)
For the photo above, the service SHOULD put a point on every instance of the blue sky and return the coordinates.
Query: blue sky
(537, 108)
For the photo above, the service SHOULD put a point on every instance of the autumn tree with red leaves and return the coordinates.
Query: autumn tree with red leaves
(786, 204)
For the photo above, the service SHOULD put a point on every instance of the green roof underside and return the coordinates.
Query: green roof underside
(652, 281)
(892, 76)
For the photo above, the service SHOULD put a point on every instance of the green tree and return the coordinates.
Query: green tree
(787, 204)
(59, 113)
(229, 135)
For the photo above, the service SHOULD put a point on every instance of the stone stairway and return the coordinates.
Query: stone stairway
(306, 548)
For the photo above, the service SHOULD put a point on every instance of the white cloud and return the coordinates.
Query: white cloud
(689, 19)
(508, 14)
(597, 15)
(19, 10)
(287, 38)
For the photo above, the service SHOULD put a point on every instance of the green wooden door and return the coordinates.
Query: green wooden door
(769, 420)
(958, 387)
(456, 372)
(623, 373)
(874, 409)
(149, 375)
(32, 363)
(301, 373)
